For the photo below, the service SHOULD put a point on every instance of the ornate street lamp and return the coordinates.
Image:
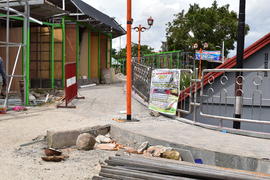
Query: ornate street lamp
(205, 46)
(140, 29)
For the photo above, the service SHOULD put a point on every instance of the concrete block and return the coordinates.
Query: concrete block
(264, 166)
(185, 155)
(96, 130)
(62, 139)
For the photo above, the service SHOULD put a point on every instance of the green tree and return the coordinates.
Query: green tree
(114, 52)
(199, 25)
(145, 49)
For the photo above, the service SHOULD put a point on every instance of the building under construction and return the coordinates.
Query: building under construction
(38, 37)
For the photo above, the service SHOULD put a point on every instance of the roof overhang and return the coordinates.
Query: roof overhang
(14, 3)
(81, 11)
(39, 9)
(86, 13)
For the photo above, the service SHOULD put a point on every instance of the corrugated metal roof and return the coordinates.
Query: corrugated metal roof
(97, 19)
(97, 15)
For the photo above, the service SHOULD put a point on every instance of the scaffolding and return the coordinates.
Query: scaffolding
(23, 47)
(53, 50)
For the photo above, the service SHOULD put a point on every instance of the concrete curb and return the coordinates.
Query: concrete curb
(209, 157)
(62, 139)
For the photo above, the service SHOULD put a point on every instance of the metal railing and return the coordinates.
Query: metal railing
(218, 95)
(141, 80)
(170, 60)
(210, 101)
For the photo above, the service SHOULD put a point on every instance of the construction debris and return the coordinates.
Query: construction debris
(103, 139)
(171, 155)
(108, 147)
(41, 96)
(137, 167)
(120, 77)
(156, 151)
(85, 142)
(52, 152)
(53, 155)
(88, 85)
(143, 147)
(38, 139)
(54, 158)
(131, 150)
(154, 113)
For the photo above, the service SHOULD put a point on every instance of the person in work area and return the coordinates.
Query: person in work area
(3, 77)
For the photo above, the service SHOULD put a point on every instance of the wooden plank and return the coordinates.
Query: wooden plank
(71, 43)
(58, 70)
(58, 35)
(84, 55)
(58, 53)
(108, 52)
(94, 56)
(103, 44)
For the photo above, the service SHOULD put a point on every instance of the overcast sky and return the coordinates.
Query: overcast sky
(163, 10)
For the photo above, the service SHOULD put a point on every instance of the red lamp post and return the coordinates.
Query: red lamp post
(140, 29)
(129, 78)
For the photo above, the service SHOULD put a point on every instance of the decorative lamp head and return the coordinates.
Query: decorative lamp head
(195, 46)
(150, 21)
(205, 45)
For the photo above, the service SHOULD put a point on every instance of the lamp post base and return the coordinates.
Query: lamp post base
(123, 120)
(237, 124)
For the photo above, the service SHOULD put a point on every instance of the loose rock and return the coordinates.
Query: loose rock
(143, 147)
(156, 151)
(154, 114)
(32, 97)
(171, 155)
(85, 142)
(103, 139)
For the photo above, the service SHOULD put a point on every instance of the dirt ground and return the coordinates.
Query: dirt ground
(102, 103)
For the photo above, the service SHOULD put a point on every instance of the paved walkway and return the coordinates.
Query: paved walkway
(102, 103)
(181, 133)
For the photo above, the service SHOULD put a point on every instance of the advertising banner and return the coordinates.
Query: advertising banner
(212, 56)
(164, 90)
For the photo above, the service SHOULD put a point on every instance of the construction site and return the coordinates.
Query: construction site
(69, 109)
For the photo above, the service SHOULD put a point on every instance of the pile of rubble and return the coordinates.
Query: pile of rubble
(120, 77)
(86, 141)
(41, 96)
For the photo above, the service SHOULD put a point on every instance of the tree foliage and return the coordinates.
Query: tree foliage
(199, 25)
(122, 53)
